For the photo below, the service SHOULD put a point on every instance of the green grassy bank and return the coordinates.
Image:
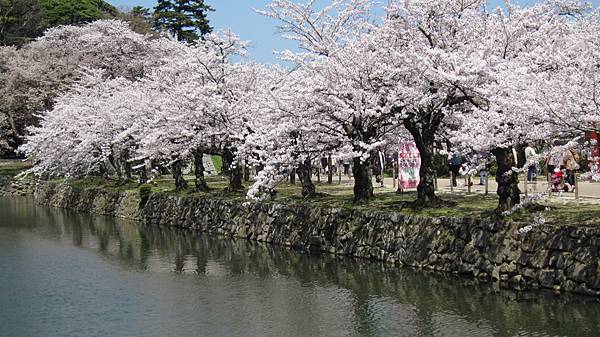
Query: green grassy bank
(340, 196)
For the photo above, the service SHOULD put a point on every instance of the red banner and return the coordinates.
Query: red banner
(409, 163)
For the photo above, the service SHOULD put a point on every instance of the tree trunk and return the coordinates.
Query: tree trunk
(363, 186)
(199, 171)
(180, 183)
(426, 187)
(308, 188)
(246, 171)
(259, 168)
(233, 170)
(330, 170)
(424, 139)
(126, 164)
(115, 165)
(293, 177)
(143, 174)
(508, 184)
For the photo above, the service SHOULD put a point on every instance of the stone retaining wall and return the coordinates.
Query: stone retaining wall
(563, 258)
(9, 185)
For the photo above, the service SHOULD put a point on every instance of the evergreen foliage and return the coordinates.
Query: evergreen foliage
(186, 19)
(75, 12)
(24, 20)
(20, 20)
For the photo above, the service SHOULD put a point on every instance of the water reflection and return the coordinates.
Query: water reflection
(279, 292)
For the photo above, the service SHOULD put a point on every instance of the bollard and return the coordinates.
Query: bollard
(469, 184)
(435, 186)
(576, 186)
(486, 184)
(394, 175)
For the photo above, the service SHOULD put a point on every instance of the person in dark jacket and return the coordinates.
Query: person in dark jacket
(454, 162)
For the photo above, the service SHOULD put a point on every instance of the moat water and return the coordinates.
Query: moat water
(68, 274)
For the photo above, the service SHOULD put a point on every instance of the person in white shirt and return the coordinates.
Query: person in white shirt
(555, 159)
(531, 159)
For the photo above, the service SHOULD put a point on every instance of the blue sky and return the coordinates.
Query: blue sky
(239, 15)
(241, 18)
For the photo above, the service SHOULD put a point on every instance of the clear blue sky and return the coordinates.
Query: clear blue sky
(239, 15)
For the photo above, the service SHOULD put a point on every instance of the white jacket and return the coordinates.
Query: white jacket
(530, 156)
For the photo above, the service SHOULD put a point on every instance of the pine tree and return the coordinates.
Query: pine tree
(186, 19)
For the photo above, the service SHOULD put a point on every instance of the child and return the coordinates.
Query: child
(558, 181)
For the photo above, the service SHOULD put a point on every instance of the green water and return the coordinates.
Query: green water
(67, 274)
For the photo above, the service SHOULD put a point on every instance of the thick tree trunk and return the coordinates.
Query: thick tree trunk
(293, 177)
(147, 169)
(426, 187)
(424, 138)
(233, 170)
(126, 164)
(180, 183)
(115, 166)
(143, 177)
(308, 188)
(508, 184)
(363, 186)
(330, 170)
(201, 184)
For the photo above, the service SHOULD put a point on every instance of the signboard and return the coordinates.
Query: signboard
(409, 163)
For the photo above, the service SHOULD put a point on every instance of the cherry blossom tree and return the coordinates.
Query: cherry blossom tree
(435, 70)
(535, 60)
(79, 137)
(194, 101)
(47, 67)
(285, 138)
(349, 104)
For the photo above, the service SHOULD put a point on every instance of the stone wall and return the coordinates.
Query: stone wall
(9, 185)
(563, 258)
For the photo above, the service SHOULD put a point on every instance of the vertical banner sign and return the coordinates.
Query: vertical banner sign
(409, 163)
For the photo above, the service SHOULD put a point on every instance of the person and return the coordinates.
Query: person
(531, 159)
(555, 159)
(346, 167)
(484, 165)
(558, 183)
(325, 164)
(382, 162)
(571, 158)
(455, 162)
(379, 166)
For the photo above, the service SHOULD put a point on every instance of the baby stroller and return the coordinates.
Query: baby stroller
(557, 178)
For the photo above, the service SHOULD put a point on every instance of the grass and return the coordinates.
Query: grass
(218, 163)
(163, 184)
(340, 196)
(13, 167)
(580, 214)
